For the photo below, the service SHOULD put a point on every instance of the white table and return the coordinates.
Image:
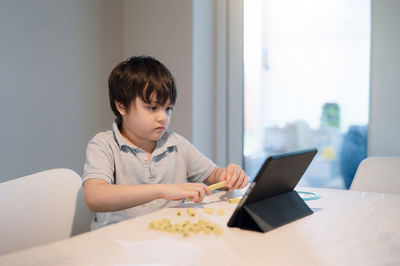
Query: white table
(347, 228)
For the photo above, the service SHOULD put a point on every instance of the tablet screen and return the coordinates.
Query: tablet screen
(279, 174)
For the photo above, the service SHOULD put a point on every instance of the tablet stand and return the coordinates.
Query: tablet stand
(270, 213)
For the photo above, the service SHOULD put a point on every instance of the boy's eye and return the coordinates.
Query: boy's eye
(155, 108)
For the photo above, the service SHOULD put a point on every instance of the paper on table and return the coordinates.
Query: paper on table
(185, 252)
(157, 252)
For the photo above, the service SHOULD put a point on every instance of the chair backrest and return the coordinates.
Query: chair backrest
(378, 174)
(41, 208)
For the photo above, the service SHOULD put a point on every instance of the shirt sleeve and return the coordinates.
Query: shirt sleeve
(99, 161)
(198, 166)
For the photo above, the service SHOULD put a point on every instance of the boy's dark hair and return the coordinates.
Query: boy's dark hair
(140, 76)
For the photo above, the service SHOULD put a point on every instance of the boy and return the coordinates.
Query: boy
(139, 166)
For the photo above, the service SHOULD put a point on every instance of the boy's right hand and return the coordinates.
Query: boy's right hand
(192, 191)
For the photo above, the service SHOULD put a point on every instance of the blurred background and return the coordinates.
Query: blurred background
(254, 78)
(306, 84)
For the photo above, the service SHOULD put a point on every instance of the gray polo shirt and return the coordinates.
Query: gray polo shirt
(111, 158)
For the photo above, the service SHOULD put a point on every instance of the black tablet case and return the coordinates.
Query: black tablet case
(271, 200)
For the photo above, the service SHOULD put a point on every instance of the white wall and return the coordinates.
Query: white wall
(204, 96)
(384, 127)
(163, 29)
(55, 57)
(55, 60)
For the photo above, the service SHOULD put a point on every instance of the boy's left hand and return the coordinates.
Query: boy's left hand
(235, 177)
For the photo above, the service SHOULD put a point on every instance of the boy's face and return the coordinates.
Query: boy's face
(143, 121)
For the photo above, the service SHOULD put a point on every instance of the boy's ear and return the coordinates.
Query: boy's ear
(121, 108)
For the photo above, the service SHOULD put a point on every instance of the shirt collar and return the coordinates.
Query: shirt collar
(167, 140)
(121, 141)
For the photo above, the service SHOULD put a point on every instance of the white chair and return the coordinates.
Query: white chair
(378, 174)
(41, 208)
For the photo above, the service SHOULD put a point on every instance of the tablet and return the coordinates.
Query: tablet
(278, 175)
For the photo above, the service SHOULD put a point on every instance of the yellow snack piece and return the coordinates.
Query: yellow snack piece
(218, 231)
(185, 227)
(160, 224)
(217, 185)
(179, 213)
(221, 212)
(191, 212)
(234, 200)
(195, 228)
(178, 228)
(208, 210)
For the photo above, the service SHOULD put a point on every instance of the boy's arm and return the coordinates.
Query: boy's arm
(101, 196)
(233, 174)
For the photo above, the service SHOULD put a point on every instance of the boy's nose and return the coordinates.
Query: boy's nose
(162, 115)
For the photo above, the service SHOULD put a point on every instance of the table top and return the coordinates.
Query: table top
(346, 228)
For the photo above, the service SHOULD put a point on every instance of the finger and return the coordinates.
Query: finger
(203, 189)
(223, 176)
(196, 196)
(245, 182)
(230, 170)
(234, 177)
(192, 196)
(228, 176)
(239, 180)
(201, 194)
(206, 190)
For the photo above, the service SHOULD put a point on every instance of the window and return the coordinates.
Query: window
(306, 84)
